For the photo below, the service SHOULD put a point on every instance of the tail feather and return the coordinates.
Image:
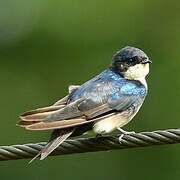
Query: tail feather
(59, 140)
(58, 137)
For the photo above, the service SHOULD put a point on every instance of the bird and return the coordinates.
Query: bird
(103, 104)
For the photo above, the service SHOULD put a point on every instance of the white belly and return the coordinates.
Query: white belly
(113, 122)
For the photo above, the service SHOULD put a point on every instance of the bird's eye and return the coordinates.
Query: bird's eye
(120, 65)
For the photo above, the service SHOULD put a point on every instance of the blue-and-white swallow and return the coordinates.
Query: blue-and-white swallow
(103, 104)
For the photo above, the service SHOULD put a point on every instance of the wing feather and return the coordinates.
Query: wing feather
(84, 105)
(55, 124)
(63, 123)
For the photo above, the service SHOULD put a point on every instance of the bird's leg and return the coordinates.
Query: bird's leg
(123, 132)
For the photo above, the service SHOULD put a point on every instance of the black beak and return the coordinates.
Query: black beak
(146, 60)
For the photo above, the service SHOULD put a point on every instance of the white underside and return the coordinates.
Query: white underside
(113, 122)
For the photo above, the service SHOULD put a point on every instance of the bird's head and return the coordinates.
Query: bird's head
(131, 62)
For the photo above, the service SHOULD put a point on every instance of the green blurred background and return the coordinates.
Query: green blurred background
(45, 46)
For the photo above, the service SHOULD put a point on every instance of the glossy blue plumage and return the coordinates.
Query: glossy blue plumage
(105, 103)
(112, 89)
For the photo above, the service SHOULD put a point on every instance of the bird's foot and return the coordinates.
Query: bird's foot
(123, 132)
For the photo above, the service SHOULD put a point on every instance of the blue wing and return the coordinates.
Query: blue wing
(106, 92)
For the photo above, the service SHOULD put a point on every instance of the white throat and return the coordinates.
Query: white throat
(137, 72)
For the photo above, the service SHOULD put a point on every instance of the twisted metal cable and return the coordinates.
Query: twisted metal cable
(102, 143)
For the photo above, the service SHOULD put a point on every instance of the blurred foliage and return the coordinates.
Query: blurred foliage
(47, 45)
